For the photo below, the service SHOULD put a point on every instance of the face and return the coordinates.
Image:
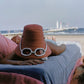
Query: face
(79, 70)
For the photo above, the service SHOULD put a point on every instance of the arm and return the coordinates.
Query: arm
(26, 62)
(56, 50)
(9, 60)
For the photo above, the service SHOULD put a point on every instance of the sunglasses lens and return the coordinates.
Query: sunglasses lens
(40, 52)
(26, 51)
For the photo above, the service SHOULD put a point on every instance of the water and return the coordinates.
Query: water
(11, 31)
(75, 31)
(69, 31)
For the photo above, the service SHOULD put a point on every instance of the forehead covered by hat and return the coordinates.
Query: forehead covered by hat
(32, 43)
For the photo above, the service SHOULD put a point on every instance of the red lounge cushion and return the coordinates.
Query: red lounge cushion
(14, 78)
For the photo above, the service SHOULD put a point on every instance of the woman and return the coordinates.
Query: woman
(33, 48)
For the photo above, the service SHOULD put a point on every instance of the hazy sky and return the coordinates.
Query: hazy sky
(18, 13)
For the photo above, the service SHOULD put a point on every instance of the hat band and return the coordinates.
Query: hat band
(36, 52)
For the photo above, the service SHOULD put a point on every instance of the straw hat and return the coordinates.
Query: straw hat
(32, 38)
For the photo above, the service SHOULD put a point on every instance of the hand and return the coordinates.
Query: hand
(25, 62)
(31, 62)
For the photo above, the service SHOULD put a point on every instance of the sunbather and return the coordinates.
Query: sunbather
(77, 74)
(32, 48)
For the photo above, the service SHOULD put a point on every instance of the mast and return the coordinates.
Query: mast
(60, 25)
(57, 25)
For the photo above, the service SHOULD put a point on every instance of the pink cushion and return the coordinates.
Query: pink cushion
(14, 78)
(7, 46)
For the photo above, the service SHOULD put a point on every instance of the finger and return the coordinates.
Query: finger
(31, 62)
(25, 63)
(34, 61)
(38, 61)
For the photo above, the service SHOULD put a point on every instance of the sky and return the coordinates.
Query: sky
(15, 14)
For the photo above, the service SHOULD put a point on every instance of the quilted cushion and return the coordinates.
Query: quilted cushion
(7, 46)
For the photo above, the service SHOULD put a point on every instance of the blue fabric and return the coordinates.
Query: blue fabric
(33, 72)
(55, 70)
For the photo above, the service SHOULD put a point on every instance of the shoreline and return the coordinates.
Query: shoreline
(79, 38)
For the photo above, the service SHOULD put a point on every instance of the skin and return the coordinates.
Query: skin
(78, 71)
(56, 50)
(16, 39)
